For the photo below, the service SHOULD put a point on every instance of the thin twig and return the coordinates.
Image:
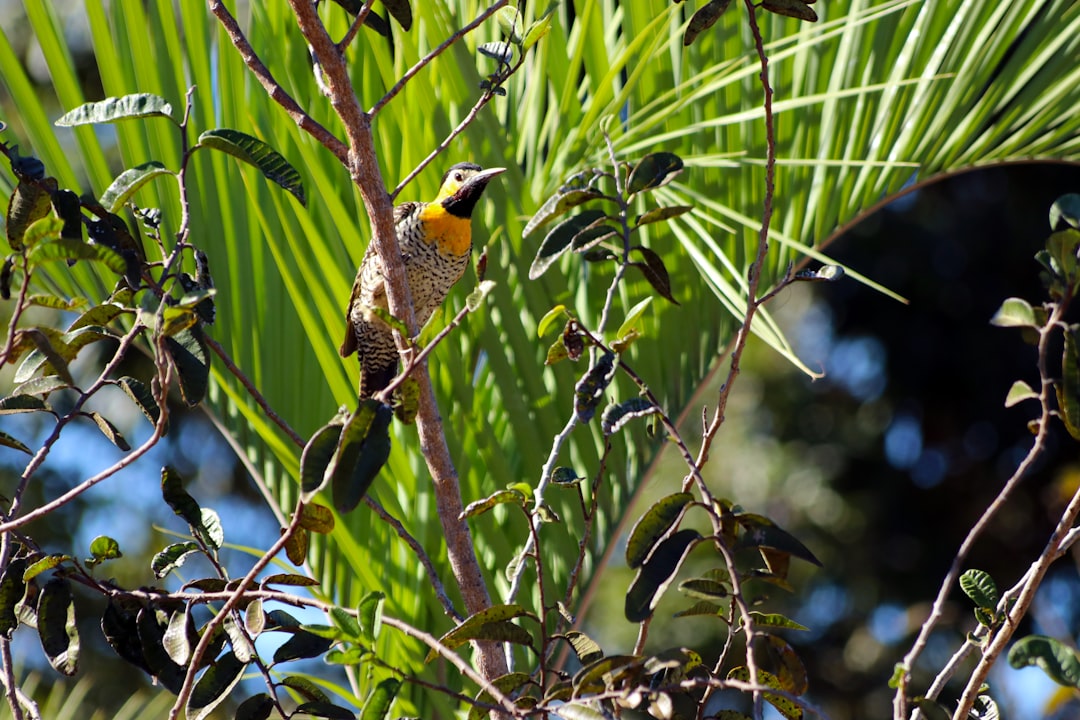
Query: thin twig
(277, 93)
(421, 555)
(949, 583)
(11, 683)
(411, 72)
(254, 391)
(354, 28)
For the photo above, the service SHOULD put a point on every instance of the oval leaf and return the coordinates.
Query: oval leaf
(362, 450)
(662, 213)
(590, 389)
(214, 686)
(558, 240)
(379, 701)
(128, 183)
(316, 456)
(1056, 659)
(655, 272)
(654, 525)
(1014, 312)
(981, 588)
(111, 109)
(653, 171)
(253, 151)
(12, 590)
(559, 203)
(473, 627)
(189, 354)
(705, 17)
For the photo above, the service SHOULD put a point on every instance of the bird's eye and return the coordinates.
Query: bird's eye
(458, 177)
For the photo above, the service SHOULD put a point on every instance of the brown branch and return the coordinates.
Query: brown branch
(363, 165)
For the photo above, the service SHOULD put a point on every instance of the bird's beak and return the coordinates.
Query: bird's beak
(481, 178)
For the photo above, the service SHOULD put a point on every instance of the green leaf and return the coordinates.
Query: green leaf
(28, 204)
(565, 477)
(1019, 392)
(1060, 662)
(253, 151)
(537, 30)
(490, 624)
(45, 229)
(479, 507)
(256, 707)
(69, 249)
(172, 557)
(56, 626)
(111, 433)
(703, 607)
(507, 684)
(654, 525)
(585, 647)
(656, 574)
(615, 416)
(704, 18)
(590, 389)
(14, 404)
(763, 532)
(1015, 312)
(1065, 212)
(302, 645)
(559, 238)
(549, 319)
(128, 183)
(289, 579)
(324, 710)
(13, 443)
(786, 707)
(510, 23)
(1068, 389)
(653, 171)
(316, 457)
(104, 548)
(345, 622)
(180, 636)
(662, 213)
(981, 588)
(174, 494)
(141, 105)
(142, 397)
(362, 450)
(379, 701)
(579, 711)
(632, 318)
(317, 518)
(305, 687)
(565, 199)
(49, 562)
(473, 299)
(189, 354)
(704, 589)
(775, 620)
(214, 686)
(369, 615)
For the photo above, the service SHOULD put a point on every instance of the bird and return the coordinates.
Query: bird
(436, 243)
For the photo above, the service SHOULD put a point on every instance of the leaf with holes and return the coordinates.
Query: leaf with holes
(113, 109)
(788, 708)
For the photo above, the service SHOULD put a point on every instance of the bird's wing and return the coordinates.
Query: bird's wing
(404, 210)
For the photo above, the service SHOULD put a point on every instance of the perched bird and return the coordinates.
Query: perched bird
(436, 241)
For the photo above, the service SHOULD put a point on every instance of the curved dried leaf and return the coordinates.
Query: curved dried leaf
(590, 389)
(253, 151)
(479, 507)
(787, 667)
(56, 626)
(615, 416)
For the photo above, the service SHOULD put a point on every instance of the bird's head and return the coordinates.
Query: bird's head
(462, 186)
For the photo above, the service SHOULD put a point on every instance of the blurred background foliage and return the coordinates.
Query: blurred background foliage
(879, 467)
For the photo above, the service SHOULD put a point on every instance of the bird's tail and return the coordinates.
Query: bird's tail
(377, 377)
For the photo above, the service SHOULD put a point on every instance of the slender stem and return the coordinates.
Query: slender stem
(277, 93)
(949, 583)
(420, 64)
(11, 687)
